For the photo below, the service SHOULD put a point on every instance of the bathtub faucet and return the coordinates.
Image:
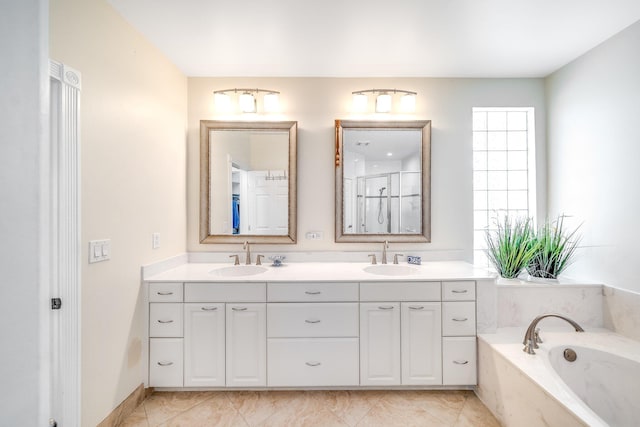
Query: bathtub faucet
(531, 337)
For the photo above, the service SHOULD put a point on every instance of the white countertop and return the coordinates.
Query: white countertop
(323, 271)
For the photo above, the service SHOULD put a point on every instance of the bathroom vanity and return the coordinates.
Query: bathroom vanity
(312, 325)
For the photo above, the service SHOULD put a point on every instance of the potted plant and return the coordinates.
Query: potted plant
(511, 246)
(554, 251)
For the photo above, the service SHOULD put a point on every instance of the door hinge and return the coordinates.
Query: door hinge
(56, 303)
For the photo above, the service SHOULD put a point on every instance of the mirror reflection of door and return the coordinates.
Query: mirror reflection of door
(385, 165)
(249, 188)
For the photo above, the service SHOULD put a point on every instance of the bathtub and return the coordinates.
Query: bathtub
(600, 388)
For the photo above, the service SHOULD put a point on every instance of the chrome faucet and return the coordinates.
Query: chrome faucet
(532, 337)
(385, 245)
(248, 258)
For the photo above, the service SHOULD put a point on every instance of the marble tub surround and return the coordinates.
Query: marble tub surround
(519, 302)
(321, 271)
(622, 311)
(312, 408)
(522, 389)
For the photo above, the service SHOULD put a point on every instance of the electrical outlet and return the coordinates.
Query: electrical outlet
(314, 235)
(155, 240)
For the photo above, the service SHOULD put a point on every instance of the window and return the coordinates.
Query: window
(503, 169)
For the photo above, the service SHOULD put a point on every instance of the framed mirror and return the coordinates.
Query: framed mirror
(248, 181)
(383, 173)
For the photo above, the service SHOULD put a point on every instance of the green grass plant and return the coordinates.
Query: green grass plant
(555, 250)
(511, 246)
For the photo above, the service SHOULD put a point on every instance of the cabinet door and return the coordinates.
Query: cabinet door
(204, 345)
(246, 345)
(165, 362)
(421, 343)
(380, 343)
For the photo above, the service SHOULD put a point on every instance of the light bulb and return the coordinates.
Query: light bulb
(222, 102)
(271, 102)
(383, 103)
(247, 103)
(408, 103)
(360, 102)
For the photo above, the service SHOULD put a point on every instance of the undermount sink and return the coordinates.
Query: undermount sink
(238, 270)
(390, 270)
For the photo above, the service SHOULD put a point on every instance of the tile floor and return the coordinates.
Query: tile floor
(312, 408)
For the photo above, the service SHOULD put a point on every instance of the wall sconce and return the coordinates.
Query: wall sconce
(384, 100)
(247, 100)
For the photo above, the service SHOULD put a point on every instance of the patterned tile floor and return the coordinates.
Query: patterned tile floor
(312, 408)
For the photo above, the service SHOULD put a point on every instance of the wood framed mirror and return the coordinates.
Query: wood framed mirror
(248, 177)
(382, 179)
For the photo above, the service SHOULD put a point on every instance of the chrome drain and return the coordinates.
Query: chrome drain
(570, 355)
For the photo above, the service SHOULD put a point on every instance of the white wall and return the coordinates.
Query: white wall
(133, 127)
(593, 151)
(23, 200)
(316, 102)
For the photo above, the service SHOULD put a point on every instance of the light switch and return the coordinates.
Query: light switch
(99, 250)
(155, 240)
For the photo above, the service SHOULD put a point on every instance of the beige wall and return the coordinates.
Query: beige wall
(133, 108)
(316, 102)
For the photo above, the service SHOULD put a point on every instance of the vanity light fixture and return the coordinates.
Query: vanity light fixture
(384, 100)
(247, 100)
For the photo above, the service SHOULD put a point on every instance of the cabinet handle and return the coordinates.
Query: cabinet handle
(312, 292)
(385, 307)
(459, 291)
(458, 319)
(238, 308)
(312, 320)
(416, 307)
(164, 293)
(460, 362)
(165, 321)
(313, 364)
(165, 363)
(209, 308)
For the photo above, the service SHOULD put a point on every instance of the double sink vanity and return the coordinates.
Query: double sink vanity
(342, 325)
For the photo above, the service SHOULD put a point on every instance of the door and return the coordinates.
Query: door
(246, 349)
(380, 343)
(421, 338)
(204, 342)
(64, 244)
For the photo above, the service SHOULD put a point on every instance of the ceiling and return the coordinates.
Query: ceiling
(376, 38)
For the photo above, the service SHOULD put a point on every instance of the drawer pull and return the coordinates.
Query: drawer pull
(459, 291)
(312, 292)
(312, 364)
(238, 308)
(165, 321)
(460, 362)
(458, 319)
(385, 307)
(164, 293)
(416, 307)
(312, 320)
(165, 363)
(209, 308)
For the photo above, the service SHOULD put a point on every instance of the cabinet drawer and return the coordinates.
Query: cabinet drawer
(165, 292)
(224, 292)
(459, 291)
(165, 362)
(312, 362)
(312, 291)
(459, 361)
(459, 318)
(302, 320)
(400, 291)
(165, 319)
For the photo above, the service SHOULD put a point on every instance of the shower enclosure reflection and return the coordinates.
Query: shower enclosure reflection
(383, 171)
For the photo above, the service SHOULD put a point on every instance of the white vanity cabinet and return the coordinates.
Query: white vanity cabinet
(204, 345)
(246, 345)
(312, 340)
(459, 333)
(400, 339)
(165, 335)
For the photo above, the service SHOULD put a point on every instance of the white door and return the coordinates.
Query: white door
(380, 343)
(268, 204)
(246, 349)
(204, 341)
(64, 241)
(421, 339)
